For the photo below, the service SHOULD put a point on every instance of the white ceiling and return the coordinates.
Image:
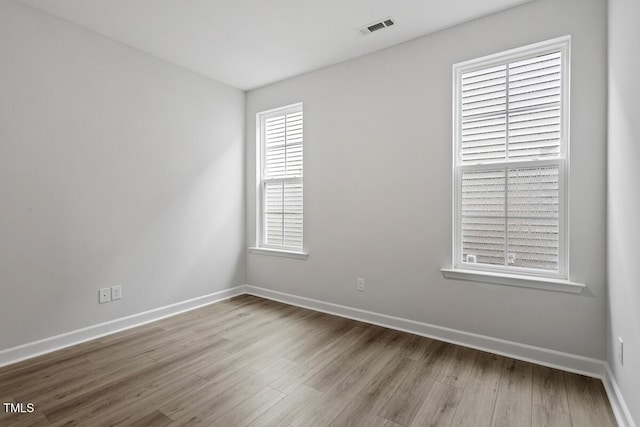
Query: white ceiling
(251, 43)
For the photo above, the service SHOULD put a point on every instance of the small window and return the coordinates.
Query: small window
(511, 140)
(281, 183)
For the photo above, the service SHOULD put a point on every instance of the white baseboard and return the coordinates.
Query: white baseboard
(554, 359)
(47, 345)
(618, 404)
(541, 356)
(551, 358)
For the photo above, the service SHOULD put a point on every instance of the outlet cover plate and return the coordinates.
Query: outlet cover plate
(116, 292)
(104, 295)
(621, 350)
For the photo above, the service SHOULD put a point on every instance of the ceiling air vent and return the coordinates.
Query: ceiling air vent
(375, 26)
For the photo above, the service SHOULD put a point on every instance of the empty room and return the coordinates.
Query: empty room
(319, 213)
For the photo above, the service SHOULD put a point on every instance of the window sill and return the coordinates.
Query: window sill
(278, 252)
(545, 283)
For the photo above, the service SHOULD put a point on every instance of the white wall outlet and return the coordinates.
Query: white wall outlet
(620, 350)
(116, 292)
(104, 295)
(360, 284)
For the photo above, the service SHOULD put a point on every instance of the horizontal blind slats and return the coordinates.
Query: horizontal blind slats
(510, 216)
(483, 193)
(483, 238)
(532, 192)
(534, 243)
(283, 200)
(532, 104)
(283, 146)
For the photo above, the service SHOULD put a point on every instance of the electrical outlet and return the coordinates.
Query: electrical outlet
(360, 284)
(104, 295)
(620, 350)
(116, 292)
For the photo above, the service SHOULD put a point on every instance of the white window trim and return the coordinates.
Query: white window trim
(278, 253)
(548, 284)
(261, 248)
(503, 274)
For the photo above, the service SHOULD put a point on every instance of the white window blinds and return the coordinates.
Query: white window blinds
(512, 111)
(281, 180)
(511, 146)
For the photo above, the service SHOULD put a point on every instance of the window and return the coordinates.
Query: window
(281, 183)
(511, 161)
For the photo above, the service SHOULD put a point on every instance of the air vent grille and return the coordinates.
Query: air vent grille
(376, 26)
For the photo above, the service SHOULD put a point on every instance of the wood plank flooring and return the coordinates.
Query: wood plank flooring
(254, 362)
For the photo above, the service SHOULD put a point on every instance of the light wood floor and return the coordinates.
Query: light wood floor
(250, 361)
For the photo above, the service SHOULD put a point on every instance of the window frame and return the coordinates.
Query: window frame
(562, 45)
(261, 246)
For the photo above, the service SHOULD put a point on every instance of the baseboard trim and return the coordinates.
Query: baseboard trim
(618, 404)
(551, 358)
(554, 359)
(47, 345)
(541, 356)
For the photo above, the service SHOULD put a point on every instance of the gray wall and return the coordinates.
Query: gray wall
(623, 214)
(378, 183)
(115, 168)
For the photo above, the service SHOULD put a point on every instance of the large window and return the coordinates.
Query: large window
(511, 161)
(281, 183)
